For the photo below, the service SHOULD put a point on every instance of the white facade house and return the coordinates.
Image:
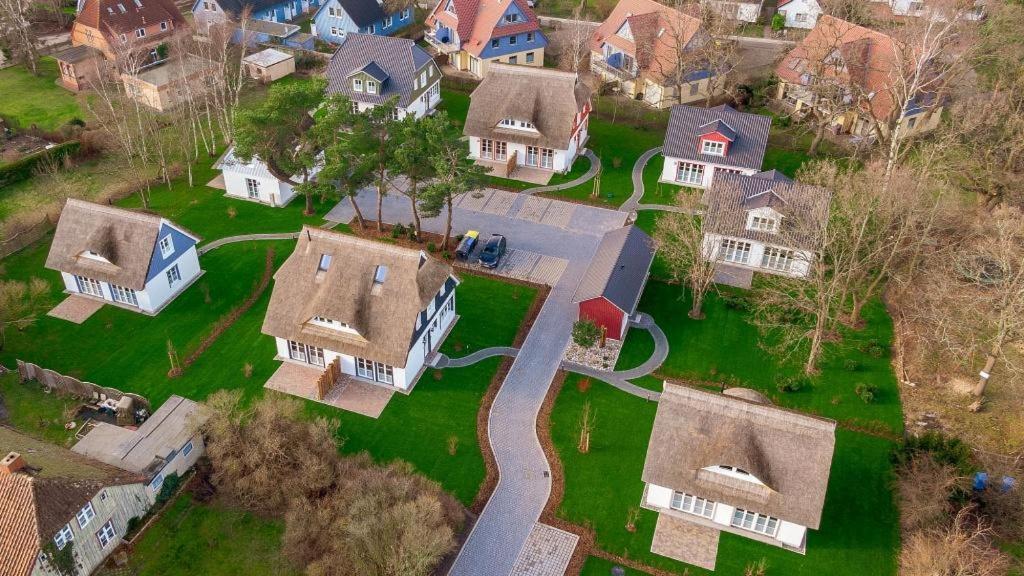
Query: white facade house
(800, 13)
(253, 180)
(701, 143)
(130, 259)
(764, 223)
(937, 10)
(522, 116)
(736, 10)
(733, 462)
(378, 310)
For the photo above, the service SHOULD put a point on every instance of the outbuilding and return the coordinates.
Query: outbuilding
(269, 65)
(611, 287)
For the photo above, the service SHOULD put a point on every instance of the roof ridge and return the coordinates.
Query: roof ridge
(684, 391)
(341, 237)
(114, 210)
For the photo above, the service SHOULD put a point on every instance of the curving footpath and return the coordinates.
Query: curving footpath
(443, 361)
(595, 166)
(245, 238)
(633, 203)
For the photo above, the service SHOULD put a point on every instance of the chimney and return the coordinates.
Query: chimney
(11, 463)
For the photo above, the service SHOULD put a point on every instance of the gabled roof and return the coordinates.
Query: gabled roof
(144, 450)
(869, 57)
(125, 238)
(38, 501)
(362, 12)
(750, 135)
(548, 98)
(396, 59)
(618, 271)
(731, 197)
(657, 32)
(789, 452)
(477, 21)
(772, 175)
(719, 127)
(108, 16)
(236, 7)
(372, 70)
(383, 314)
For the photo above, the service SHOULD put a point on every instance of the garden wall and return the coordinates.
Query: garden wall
(74, 386)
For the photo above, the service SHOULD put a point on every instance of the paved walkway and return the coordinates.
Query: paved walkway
(633, 202)
(76, 309)
(245, 238)
(547, 552)
(595, 165)
(442, 361)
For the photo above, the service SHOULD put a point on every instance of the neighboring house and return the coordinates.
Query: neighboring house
(765, 222)
(211, 13)
(253, 180)
(861, 62)
(377, 310)
(701, 143)
(49, 494)
(268, 65)
(733, 462)
(611, 287)
(137, 261)
(80, 67)
(336, 18)
(739, 10)
(128, 32)
(372, 70)
(800, 13)
(475, 33)
(650, 49)
(929, 8)
(534, 117)
(167, 443)
(167, 85)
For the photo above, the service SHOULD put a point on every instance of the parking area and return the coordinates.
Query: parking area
(528, 266)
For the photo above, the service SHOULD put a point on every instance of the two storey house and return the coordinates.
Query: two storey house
(336, 18)
(475, 33)
(701, 143)
(207, 14)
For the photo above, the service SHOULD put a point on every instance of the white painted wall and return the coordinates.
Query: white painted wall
(808, 8)
(659, 496)
(180, 464)
(742, 11)
(668, 171)
(798, 269)
(272, 191)
(562, 160)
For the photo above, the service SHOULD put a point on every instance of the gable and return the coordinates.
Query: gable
(515, 13)
(624, 31)
(180, 243)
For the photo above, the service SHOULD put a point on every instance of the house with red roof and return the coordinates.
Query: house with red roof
(864, 64)
(651, 51)
(474, 33)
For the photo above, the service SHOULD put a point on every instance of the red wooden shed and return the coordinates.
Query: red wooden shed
(611, 287)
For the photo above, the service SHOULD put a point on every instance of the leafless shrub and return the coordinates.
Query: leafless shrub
(963, 548)
(924, 488)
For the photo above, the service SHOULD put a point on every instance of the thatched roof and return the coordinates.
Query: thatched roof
(124, 238)
(548, 98)
(383, 313)
(789, 452)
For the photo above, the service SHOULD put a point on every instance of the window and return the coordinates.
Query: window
(800, 17)
(371, 87)
(140, 33)
(355, 107)
(694, 88)
(123, 295)
(85, 515)
(513, 59)
(303, 353)
(532, 155)
(335, 31)
(187, 449)
(333, 12)
(911, 122)
(423, 78)
(124, 39)
(547, 158)
(252, 188)
(64, 535)
(364, 368)
(494, 43)
(380, 274)
(529, 36)
(762, 223)
(388, 21)
(512, 40)
(166, 246)
(157, 481)
(777, 259)
(692, 504)
(755, 522)
(357, 84)
(735, 251)
(713, 148)
(173, 275)
(510, 18)
(89, 286)
(163, 25)
(529, 57)
(377, 371)
(385, 373)
(486, 148)
(406, 13)
(501, 150)
(106, 534)
(690, 173)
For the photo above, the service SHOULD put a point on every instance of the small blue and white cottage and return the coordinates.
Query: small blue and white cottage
(336, 18)
(131, 259)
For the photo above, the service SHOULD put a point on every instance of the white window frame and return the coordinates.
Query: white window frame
(547, 158)
(487, 148)
(780, 259)
(173, 275)
(513, 40)
(690, 173)
(529, 36)
(713, 148)
(252, 188)
(513, 59)
(735, 251)
(63, 536)
(166, 246)
(763, 224)
(389, 20)
(140, 33)
(124, 295)
(406, 14)
(371, 86)
(106, 534)
(692, 504)
(163, 26)
(89, 286)
(357, 84)
(754, 522)
(364, 368)
(530, 57)
(511, 18)
(85, 515)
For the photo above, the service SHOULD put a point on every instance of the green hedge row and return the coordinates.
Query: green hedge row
(22, 168)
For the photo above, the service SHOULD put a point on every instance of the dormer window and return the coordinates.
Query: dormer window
(450, 7)
(516, 124)
(495, 43)
(734, 472)
(140, 33)
(163, 26)
(325, 322)
(121, 8)
(713, 148)
(357, 84)
(762, 224)
(166, 246)
(371, 87)
(380, 274)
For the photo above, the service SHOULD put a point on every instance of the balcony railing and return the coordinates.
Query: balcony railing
(602, 67)
(439, 44)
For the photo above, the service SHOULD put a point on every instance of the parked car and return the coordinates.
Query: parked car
(467, 245)
(493, 250)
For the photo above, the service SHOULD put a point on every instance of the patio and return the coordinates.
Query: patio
(76, 309)
(349, 393)
(521, 173)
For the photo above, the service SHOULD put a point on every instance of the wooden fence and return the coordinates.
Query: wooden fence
(75, 387)
(328, 379)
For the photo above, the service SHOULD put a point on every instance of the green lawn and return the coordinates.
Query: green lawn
(859, 530)
(213, 539)
(37, 100)
(724, 346)
(35, 413)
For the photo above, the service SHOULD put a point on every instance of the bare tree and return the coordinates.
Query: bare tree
(687, 49)
(964, 548)
(20, 303)
(578, 33)
(17, 32)
(680, 240)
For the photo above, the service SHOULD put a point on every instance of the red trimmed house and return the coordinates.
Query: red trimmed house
(611, 287)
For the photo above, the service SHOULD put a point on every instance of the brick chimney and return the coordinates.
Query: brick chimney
(11, 463)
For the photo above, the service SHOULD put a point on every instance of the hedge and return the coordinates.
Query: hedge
(23, 168)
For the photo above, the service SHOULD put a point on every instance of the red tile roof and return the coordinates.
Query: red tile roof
(476, 21)
(657, 31)
(19, 532)
(108, 16)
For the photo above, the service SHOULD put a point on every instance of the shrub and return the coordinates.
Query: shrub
(778, 22)
(168, 488)
(943, 449)
(851, 365)
(873, 349)
(431, 247)
(23, 168)
(735, 301)
(866, 392)
(791, 383)
(397, 230)
(585, 333)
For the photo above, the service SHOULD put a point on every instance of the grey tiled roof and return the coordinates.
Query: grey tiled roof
(804, 208)
(746, 150)
(399, 58)
(363, 12)
(619, 269)
(772, 175)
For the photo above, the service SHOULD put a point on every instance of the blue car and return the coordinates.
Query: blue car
(493, 250)
(467, 245)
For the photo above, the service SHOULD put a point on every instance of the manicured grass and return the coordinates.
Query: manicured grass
(724, 347)
(656, 192)
(35, 413)
(859, 530)
(37, 100)
(213, 539)
(600, 567)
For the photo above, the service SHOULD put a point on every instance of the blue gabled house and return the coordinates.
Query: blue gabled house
(475, 33)
(336, 18)
(207, 13)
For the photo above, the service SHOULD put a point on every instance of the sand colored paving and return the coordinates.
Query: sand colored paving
(348, 394)
(685, 541)
(547, 552)
(76, 309)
